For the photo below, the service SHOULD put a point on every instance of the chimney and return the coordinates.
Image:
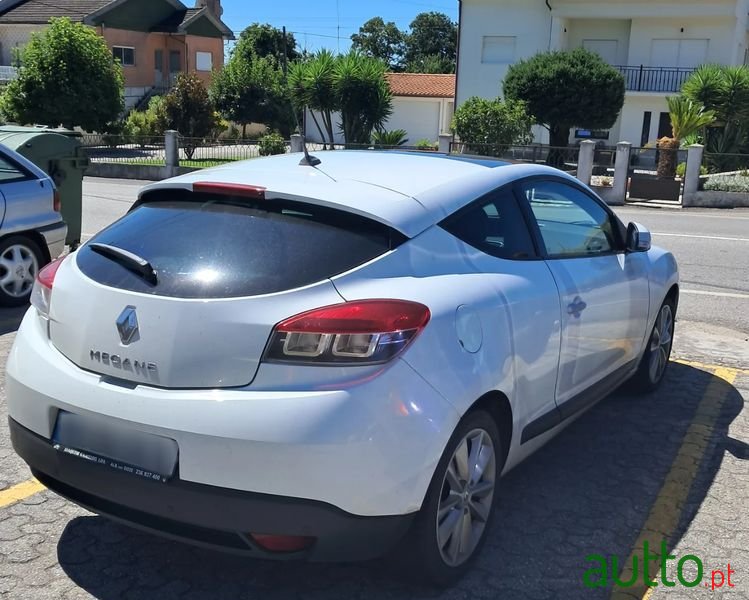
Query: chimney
(213, 5)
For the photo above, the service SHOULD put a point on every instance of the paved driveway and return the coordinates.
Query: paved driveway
(671, 466)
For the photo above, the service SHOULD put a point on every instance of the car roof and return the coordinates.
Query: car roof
(408, 191)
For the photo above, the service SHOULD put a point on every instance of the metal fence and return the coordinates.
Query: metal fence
(134, 150)
(151, 150)
(211, 152)
(715, 162)
(654, 79)
(562, 157)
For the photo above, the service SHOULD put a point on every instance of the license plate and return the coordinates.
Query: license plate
(114, 446)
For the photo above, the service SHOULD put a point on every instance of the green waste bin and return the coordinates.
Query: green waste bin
(58, 152)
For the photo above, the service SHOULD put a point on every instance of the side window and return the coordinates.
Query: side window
(9, 172)
(571, 222)
(494, 225)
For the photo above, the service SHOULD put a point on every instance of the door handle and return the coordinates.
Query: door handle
(576, 307)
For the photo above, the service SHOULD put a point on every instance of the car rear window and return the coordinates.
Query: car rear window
(206, 246)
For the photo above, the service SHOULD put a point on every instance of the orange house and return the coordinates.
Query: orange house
(155, 40)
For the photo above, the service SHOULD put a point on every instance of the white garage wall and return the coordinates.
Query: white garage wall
(419, 117)
(422, 118)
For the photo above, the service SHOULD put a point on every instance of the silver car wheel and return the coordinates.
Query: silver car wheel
(18, 269)
(466, 497)
(660, 343)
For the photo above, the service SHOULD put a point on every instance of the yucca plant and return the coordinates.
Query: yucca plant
(387, 139)
(311, 86)
(687, 118)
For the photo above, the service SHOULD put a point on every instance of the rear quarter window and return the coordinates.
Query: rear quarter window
(207, 246)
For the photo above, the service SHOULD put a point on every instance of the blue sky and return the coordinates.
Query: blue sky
(315, 22)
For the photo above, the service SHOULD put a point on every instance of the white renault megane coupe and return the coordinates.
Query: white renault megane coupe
(333, 359)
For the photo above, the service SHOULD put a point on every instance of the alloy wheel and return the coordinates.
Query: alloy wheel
(660, 343)
(18, 269)
(466, 497)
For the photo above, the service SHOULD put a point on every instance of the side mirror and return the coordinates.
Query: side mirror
(638, 238)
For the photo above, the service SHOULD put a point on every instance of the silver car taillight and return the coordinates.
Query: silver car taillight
(354, 333)
(41, 294)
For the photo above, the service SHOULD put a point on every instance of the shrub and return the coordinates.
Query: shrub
(727, 183)
(681, 170)
(564, 89)
(67, 77)
(189, 110)
(426, 144)
(488, 127)
(396, 137)
(271, 143)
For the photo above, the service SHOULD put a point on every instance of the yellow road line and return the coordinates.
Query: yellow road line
(707, 367)
(666, 510)
(20, 492)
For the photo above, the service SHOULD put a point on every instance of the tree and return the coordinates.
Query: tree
(488, 127)
(363, 95)
(189, 110)
(432, 34)
(352, 84)
(432, 64)
(263, 40)
(252, 91)
(563, 89)
(687, 118)
(311, 86)
(381, 40)
(725, 91)
(67, 77)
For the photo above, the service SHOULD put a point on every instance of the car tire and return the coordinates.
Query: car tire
(655, 358)
(21, 258)
(451, 528)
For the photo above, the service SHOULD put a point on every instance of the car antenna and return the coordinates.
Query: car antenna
(308, 160)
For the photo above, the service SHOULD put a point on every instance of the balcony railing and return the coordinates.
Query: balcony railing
(654, 79)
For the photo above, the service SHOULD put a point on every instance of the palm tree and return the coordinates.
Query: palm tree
(724, 90)
(687, 118)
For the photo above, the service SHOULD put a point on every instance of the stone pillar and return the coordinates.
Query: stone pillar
(171, 148)
(585, 161)
(445, 141)
(692, 176)
(296, 142)
(621, 173)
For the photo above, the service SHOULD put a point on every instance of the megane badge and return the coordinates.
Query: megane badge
(127, 325)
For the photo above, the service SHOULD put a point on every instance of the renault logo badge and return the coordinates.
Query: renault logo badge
(127, 325)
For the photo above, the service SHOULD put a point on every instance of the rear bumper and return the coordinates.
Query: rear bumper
(54, 236)
(205, 515)
(367, 447)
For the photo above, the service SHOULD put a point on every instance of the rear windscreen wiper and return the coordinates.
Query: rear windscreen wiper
(130, 261)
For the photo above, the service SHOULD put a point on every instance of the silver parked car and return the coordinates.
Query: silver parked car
(32, 231)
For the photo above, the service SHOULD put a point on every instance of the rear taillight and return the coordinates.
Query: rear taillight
(360, 332)
(41, 294)
(56, 201)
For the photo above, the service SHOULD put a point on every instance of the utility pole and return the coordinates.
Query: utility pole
(284, 60)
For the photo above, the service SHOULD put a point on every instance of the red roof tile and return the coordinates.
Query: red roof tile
(422, 85)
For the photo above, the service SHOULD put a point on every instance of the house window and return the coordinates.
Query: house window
(125, 55)
(686, 54)
(204, 61)
(498, 49)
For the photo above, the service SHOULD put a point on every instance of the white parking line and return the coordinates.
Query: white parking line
(720, 294)
(703, 237)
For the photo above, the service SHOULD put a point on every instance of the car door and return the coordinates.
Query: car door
(525, 302)
(603, 290)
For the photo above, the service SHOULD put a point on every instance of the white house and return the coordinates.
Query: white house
(423, 106)
(656, 44)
